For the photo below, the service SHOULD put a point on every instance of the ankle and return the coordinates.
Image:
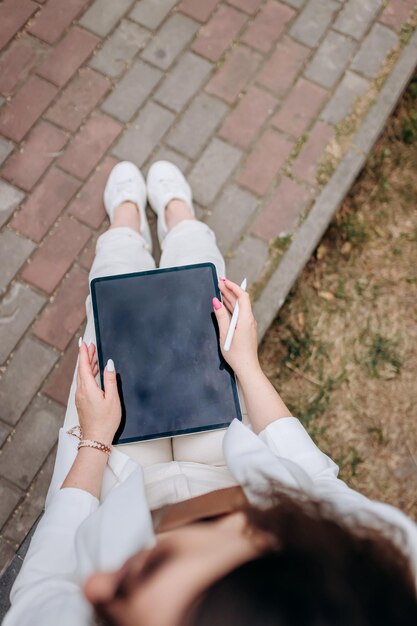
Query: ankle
(126, 214)
(176, 211)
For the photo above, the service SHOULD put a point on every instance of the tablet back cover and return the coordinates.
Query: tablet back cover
(160, 329)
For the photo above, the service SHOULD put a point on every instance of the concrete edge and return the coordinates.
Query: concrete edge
(309, 234)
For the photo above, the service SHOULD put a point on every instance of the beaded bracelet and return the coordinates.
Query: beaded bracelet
(91, 443)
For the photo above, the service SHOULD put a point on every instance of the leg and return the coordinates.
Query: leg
(190, 241)
(120, 250)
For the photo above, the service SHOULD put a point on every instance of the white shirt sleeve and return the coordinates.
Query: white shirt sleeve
(46, 587)
(288, 439)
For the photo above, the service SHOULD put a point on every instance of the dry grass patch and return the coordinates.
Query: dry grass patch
(343, 350)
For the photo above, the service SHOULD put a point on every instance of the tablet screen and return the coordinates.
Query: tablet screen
(160, 329)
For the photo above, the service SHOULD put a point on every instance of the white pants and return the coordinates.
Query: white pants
(123, 250)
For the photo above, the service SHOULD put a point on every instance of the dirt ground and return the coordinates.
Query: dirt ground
(342, 351)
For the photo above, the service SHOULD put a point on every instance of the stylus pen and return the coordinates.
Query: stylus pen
(233, 321)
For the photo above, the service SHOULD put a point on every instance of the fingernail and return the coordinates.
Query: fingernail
(80, 342)
(110, 365)
(89, 343)
(222, 278)
(217, 304)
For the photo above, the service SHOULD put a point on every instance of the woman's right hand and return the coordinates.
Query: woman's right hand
(243, 352)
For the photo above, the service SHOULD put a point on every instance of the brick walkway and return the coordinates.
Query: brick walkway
(248, 97)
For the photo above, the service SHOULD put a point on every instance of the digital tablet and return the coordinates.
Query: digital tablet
(159, 328)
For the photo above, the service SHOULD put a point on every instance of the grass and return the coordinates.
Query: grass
(342, 351)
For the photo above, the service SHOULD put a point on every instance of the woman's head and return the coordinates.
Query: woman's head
(292, 564)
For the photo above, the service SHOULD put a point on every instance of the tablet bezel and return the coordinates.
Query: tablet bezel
(118, 439)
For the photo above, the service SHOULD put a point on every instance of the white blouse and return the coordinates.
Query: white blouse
(78, 534)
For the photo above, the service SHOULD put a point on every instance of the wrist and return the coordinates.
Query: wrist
(248, 371)
(100, 437)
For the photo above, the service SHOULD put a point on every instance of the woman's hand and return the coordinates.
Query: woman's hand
(243, 353)
(99, 412)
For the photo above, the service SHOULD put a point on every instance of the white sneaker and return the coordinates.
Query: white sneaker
(126, 184)
(165, 182)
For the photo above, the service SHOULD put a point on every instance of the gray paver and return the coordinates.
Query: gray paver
(151, 13)
(18, 308)
(297, 4)
(197, 125)
(36, 433)
(103, 15)
(14, 250)
(351, 87)
(9, 498)
(10, 198)
(166, 154)
(183, 81)
(170, 40)
(32, 362)
(6, 147)
(4, 433)
(144, 134)
(212, 170)
(26, 515)
(373, 50)
(120, 48)
(132, 90)
(331, 59)
(248, 260)
(356, 16)
(230, 215)
(313, 20)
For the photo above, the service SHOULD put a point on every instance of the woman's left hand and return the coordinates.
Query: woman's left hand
(99, 412)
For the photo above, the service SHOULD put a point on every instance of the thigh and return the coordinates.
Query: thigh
(119, 251)
(189, 242)
(204, 448)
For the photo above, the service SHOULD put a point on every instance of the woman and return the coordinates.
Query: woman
(244, 526)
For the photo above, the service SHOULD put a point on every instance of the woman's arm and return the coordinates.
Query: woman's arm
(99, 415)
(262, 401)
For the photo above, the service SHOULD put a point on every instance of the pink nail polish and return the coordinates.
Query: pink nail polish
(217, 304)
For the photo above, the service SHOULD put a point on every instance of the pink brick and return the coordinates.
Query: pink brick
(282, 212)
(88, 205)
(305, 165)
(396, 13)
(89, 145)
(68, 55)
(300, 108)
(45, 204)
(13, 16)
(249, 6)
(54, 257)
(218, 34)
(54, 17)
(245, 121)
(78, 100)
(87, 257)
(280, 71)
(25, 167)
(62, 317)
(268, 25)
(20, 114)
(59, 382)
(17, 62)
(199, 10)
(233, 76)
(264, 162)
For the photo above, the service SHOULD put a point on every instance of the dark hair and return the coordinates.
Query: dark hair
(318, 572)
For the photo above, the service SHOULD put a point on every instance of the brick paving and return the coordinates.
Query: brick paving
(244, 95)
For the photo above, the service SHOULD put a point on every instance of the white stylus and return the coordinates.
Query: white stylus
(233, 321)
